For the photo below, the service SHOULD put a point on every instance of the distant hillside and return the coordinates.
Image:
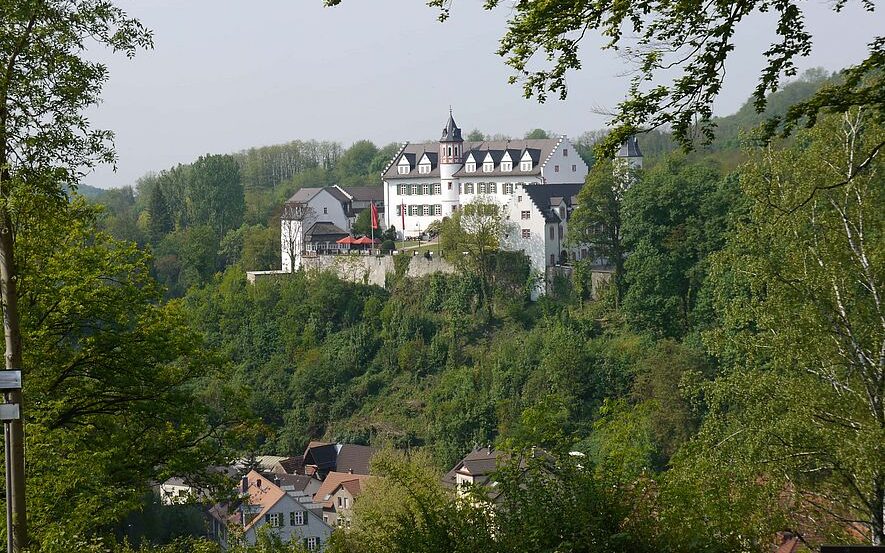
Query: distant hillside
(90, 192)
(728, 128)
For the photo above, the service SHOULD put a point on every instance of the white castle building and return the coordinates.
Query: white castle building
(428, 181)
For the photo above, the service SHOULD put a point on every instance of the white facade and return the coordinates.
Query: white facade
(292, 522)
(425, 182)
(303, 210)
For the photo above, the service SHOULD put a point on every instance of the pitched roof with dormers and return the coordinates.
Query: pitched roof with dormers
(547, 196)
(538, 150)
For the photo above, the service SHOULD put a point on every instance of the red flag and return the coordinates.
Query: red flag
(374, 215)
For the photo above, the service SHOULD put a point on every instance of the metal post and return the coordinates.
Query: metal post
(7, 462)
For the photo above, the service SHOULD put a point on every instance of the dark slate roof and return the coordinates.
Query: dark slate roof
(293, 465)
(304, 195)
(432, 156)
(366, 193)
(630, 148)
(544, 196)
(321, 454)
(539, 149)
(451, 132)
(297, 481)
(324, 228)
(480, 461)
(337, 193)
(354, 458)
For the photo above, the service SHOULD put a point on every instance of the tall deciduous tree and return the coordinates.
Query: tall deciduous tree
(46, 141)
(597, 221)
(804, 325)
(115, 379)
(673, 218)
(215, 194)
(476, 229)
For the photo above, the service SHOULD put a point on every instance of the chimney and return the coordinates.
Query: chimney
(244, 484)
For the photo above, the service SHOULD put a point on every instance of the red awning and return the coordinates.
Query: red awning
(364, 241)
(347, 240)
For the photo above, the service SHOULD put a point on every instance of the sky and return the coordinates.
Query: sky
(227, 75)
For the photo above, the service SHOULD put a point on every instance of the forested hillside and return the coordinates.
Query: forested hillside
(647, 379)
(223, 209)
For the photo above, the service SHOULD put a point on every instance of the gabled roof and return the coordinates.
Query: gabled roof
(546, 196)
(630, 148)
(337, 193)
(479, 462)
(536, 149)
(299, 482)
(325, 229)
(320, 454)
(262, 493)
(304, 195)
(354, 458)
(331, 483)
(293, 465)
(366, 193)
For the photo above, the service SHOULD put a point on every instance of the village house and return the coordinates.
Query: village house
(265, 507)
(314, 219)
(475, 469)
(337, 494)
(320, 458)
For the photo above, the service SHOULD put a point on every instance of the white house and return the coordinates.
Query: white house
(539, 215)
(265, 507)
(427, 181)
(314, 219)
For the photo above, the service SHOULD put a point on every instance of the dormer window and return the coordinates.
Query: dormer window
(403, 169)
(424, 168)
(488, 167)
(525, 166)
(507, 166)
(471, 167)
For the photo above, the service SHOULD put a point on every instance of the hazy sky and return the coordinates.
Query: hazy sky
(226, 75)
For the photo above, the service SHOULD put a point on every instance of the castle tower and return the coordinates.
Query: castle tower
(630, 154)
(451, 159)
(627, 160)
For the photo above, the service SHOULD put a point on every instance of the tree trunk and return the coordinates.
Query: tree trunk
(877, 518)
(12, 334)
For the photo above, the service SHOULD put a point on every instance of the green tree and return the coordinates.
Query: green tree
(476, 135)
(161, 217)
(382, 159)
(353, 165)
(672, 219)
(477, 229)
(804, 326)
(214, 193)
(107, 367)
(407, 510)
(363, 223)
(46, 142)
(597, 221)
(537, 133)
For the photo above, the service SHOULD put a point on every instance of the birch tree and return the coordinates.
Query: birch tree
(800, 295)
